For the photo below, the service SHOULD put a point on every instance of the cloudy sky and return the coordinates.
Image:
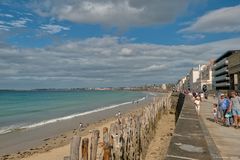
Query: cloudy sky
(101, 43)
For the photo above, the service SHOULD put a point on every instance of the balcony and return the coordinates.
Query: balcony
(221, 64)
(221, 71)
(222, 84)
(221, 78)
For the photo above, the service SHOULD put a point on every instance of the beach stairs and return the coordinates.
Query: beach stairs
(127, 138)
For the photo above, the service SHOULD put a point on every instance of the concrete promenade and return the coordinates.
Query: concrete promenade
(200, 138)
(188, 141)
(227, 139)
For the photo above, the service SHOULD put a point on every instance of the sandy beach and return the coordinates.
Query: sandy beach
(54, 143)
(53, 140)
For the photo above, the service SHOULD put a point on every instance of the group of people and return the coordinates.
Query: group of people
(227, 110)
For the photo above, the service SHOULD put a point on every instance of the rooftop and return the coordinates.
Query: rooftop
(227, 54)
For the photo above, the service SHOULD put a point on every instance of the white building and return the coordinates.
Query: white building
(164, 86)
(183, 84)
(201, 76)
(193, 77)
(206, 77)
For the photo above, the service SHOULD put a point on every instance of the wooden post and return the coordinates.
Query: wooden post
(105, 136)
(138, 136)
(112, 135)
(85, 142)
(74, 148)
(106, 145)
(94, 144)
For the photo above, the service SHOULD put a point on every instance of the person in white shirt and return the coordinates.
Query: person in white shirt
(197, 104)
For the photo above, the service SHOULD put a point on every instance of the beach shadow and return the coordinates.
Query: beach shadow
(210, 119)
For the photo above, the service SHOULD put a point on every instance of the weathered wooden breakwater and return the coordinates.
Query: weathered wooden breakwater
(126, 139)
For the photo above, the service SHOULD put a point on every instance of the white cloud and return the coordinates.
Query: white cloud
(26, 19)
(98, 62)
(220, 20)
(155, 67)
(4, 27)
(126, 52)
(52, 29)
(6, 15)
(116, 13)
(18, 23)
(194, 36)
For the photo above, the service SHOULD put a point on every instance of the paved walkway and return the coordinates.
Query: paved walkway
(226, 139)
(188, 141)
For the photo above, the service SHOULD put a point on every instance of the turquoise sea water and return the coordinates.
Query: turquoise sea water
(27, 109)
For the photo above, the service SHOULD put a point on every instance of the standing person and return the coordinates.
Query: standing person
(235, 106)
(197, 104)
(228, 112)
(214, 112)
(80, 127)
(118, 115)
(202, 95)
(206, 95)
(223, 104)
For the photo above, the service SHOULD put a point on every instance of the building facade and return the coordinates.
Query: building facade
(226, 71)
(180, 84)
(193, 77)
(234, 70)
(205, 77)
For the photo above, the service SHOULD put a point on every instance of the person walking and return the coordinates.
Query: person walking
(228, 112)
(235, 106)
(223, 104)
(214, 112)
(197, 104)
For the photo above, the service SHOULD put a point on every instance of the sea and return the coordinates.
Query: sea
(28, 109)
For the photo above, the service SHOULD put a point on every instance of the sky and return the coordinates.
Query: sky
(111, 43)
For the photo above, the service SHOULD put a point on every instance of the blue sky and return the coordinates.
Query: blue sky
(88, 43)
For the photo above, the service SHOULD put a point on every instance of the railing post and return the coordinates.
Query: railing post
(74, 148)
(85, 143)
(94, 144)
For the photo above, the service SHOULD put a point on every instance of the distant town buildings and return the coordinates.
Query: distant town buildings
(181, 84)
(198, 78)
(164, 86)
(220, 74)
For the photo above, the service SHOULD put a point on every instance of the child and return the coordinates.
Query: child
(214, 111)
(197, 104)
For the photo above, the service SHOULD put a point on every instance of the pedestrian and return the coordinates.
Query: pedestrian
(235, 106)
(224, 105)
(214, 112)
(197, 105)
(80, 127)
(118, 115)
(206, 95)
(228, 112)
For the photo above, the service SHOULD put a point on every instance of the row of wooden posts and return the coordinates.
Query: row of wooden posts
(126, 139)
